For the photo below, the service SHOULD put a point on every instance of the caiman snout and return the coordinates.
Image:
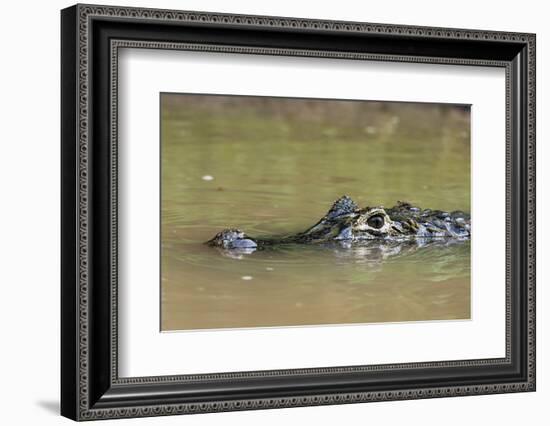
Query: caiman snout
(232, 239)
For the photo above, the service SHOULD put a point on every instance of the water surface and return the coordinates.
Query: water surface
(273, 167)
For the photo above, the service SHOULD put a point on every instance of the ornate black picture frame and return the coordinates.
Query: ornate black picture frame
(91, 36)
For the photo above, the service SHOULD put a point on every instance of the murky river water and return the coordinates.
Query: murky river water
(273, 169)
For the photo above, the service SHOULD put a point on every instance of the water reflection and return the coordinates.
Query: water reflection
(368, 252)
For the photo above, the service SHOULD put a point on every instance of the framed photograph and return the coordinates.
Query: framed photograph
(263, 212)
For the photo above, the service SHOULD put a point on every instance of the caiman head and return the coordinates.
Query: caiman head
(345, 221)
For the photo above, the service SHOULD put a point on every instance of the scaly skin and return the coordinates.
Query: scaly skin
(346, 223)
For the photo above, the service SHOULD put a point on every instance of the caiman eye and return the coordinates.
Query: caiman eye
(376, 221)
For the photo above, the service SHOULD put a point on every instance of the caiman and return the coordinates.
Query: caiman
(348, 224)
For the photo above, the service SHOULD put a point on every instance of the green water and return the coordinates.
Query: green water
(276, 168)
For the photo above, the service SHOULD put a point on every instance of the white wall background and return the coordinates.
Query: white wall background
(29, 216)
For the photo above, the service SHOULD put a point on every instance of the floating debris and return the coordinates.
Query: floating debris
(370, 130)
(269, 268)
(246, 277)
(208, 177)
